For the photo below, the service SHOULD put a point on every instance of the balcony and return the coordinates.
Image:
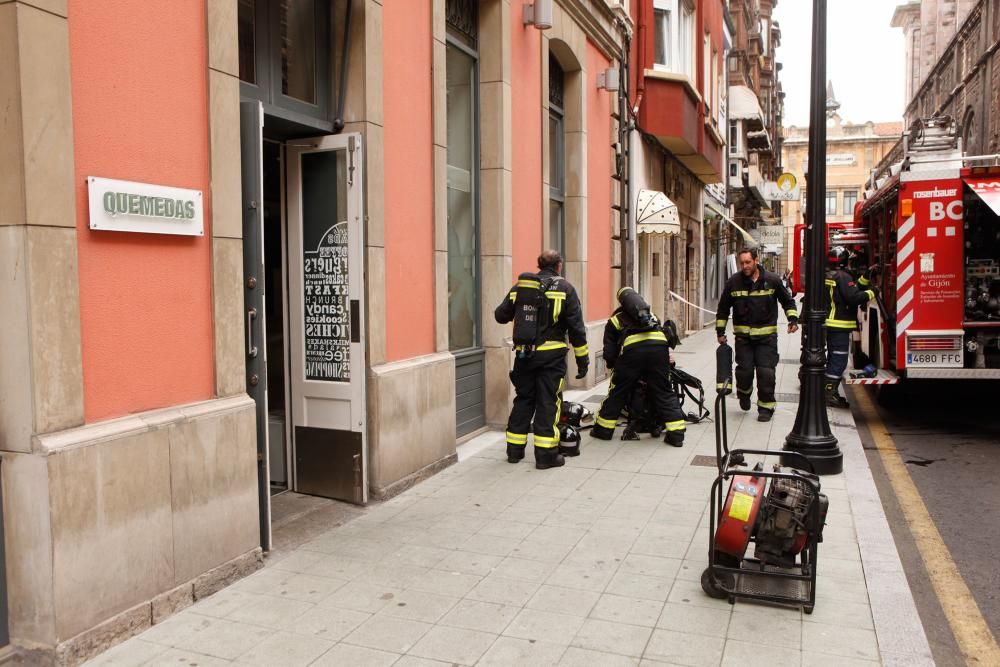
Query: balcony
(673, 111)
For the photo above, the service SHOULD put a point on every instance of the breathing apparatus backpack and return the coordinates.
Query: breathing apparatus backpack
(531, 311)
(637, 311)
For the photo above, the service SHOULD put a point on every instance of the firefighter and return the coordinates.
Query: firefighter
(636, 348)
(538, 373)
(753, 295)
(844, 297)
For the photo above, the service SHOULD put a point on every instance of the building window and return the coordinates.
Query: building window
(735, 138)
(557, 158)
(284, 54)
(831, 202)
(850, 199)
(673, 37)
(462, 80)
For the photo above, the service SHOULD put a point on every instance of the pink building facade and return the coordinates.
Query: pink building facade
(254, 247)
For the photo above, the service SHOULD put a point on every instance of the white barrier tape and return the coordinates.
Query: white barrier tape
(693, 305)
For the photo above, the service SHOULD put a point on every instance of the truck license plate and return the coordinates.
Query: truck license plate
(934, 359)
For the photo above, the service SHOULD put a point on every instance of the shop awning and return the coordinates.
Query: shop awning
(656, 214)
(744, 105)
(987, 189)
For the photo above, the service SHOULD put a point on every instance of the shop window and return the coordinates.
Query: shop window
(284, 55)
(831, 202)
(557, 158)
(673, 36)
(462, 77)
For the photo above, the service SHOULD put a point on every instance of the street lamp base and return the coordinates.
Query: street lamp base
(821, 451)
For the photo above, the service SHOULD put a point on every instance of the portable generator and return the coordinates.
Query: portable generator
(781, 511)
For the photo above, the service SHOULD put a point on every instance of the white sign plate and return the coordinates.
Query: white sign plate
(772, 191)
(773, 235)
(127, 206)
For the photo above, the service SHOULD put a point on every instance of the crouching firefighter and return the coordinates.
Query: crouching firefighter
(753, 295)
(844, 297)
(636, 349)
(544, 308)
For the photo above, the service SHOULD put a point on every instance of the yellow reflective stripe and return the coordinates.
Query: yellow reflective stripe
(767, 405)
(615, 322)
(551, 345)
(864, 281)
(555, 422)
(517, 438)
(555, 294)
(676, 426)
(619, 294)
(606, 423)
(870, 293)
(513, 297)
(841, 324)
(745, 391)
(831, 283)
(762, 292)
(640, 337)
(739, 293)
(557, 303)
(546, 442)
(763, 331)
(581, 351)
(741, 328)
(535, 284)
(791, 312)
(723, 385)
(720, 324)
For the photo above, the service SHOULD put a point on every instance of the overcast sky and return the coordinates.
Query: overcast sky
(864, 61)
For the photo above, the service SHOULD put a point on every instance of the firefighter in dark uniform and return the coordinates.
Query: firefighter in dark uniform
(636, 349)
(538, 374)
(753, 295)
(844, 295)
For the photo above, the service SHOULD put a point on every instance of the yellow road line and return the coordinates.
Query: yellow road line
(973, 635)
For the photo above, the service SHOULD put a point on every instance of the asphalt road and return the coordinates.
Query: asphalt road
(948, 434)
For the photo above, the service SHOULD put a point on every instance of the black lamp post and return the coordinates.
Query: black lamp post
(811, 435)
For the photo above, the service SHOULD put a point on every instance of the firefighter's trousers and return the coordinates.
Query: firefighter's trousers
(760, 356)
(538, 382)
(649, 361)
(838, 346)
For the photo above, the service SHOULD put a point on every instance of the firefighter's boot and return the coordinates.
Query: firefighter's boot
(546, 458)
(744, 401)
(515, 453)
(674, 438)
(764, 414)
(833, 397)
(602, 432)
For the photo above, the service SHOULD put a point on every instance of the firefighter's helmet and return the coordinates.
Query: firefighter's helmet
(569, 440)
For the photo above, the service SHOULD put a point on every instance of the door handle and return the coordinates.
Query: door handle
(355, 321)
(251, 348)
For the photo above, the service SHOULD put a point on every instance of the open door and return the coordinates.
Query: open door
(252, 143)
(326, 327)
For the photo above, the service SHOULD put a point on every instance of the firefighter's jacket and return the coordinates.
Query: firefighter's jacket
(622, 333)
(845, 296)
(567, 315)
(754, 305)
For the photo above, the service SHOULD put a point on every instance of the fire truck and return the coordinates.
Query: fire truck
(929, 225)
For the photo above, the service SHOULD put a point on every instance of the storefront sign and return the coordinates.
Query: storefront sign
(841, 159)
(126, 206)
(326, 306)
(772, 235)
(786, 188)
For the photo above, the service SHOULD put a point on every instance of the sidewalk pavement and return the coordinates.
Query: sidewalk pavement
(595, 563)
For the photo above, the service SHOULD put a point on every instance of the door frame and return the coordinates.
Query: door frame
(299, 389)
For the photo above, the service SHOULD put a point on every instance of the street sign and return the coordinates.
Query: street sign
(773, 235)
(786, 188)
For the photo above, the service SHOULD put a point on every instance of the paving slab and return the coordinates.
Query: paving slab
(595, 563)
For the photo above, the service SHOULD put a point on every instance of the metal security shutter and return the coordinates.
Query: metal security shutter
(470, 391)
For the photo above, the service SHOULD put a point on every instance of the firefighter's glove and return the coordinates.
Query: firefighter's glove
(582, 365)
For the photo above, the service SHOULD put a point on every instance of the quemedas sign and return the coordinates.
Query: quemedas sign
(127, 206)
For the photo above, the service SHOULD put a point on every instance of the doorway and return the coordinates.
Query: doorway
(303, 242)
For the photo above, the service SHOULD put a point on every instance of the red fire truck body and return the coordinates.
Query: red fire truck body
(933, 234)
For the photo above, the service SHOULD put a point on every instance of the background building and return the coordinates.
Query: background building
(852, 152)
(953, 66)
(678, 83)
